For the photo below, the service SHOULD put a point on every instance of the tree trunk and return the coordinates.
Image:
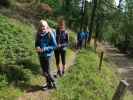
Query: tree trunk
(119, 5)
(92, 20)
(82, 15)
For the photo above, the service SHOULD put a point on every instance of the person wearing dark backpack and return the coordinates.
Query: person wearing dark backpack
(45, 44)
(60, 51)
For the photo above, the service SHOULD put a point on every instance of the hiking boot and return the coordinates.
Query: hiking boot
(45, 87)
(50, 86)
(53, 85)
(59, 73)
(55, 75)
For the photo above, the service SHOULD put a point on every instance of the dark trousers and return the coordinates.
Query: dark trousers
(86, 42)
(45, 64)
(60, 52)
(80, 44)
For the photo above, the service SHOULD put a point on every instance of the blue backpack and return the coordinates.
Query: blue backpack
(81, 35)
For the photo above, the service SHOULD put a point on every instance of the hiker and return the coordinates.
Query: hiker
(80, 39)
(86, 37)
(45, 44)
(60, 51)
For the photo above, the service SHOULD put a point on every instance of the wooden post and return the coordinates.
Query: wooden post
(101, 59)
(121, 90)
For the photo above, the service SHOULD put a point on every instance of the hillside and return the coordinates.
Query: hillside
(18, 61)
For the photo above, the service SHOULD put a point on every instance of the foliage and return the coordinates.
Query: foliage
(118, 27)
(15, 74)
(16, 41)
(72, 39)
(3, 81)
(9, 93)
(70, 10)
(52, 3)
(18, 60)
(52, 23)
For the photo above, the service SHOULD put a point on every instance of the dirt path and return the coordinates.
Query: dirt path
(124, 63)
(39, 94)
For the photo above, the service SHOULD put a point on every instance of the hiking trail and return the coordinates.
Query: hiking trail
(122, 61)
(39, 94)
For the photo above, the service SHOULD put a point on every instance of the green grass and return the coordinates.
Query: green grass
(128, 96)
(83, 81)
(10, 93)
(18, 60)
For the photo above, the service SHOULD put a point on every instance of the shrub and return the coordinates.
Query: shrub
(52, 23)
(3, 81)
(16, 74)
(72, 39)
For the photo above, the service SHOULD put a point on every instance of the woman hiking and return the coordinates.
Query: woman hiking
(45, 44)
(60, 51)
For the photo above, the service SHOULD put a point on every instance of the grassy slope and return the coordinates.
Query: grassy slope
(16, 56)
(84, 82)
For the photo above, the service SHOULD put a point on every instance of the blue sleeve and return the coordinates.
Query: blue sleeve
(53, 40)
(53, 43)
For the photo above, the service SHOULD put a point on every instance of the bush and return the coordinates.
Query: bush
(17, 44)
(52, 23)
(16, 74)
(27, 75)
(3, 81)
(72, 39)
(9, 93)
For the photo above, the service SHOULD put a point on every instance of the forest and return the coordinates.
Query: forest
(107, 21)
